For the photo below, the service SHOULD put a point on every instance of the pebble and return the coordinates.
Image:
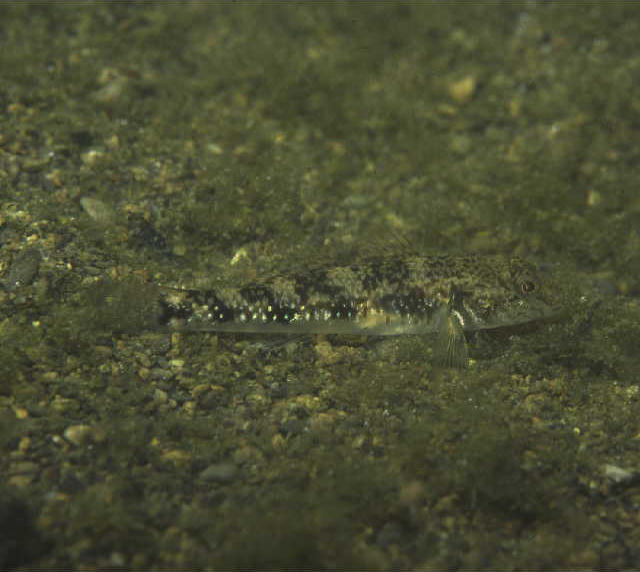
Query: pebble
(176, 456)
(82, 434)
(618, 475)
(98, 210)
(23, 474)
(462, 90)
(219, 473)
(20, 481)
(24, 269)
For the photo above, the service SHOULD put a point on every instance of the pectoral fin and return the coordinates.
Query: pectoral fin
(451, 345)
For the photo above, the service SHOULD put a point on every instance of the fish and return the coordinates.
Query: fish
(451, 297)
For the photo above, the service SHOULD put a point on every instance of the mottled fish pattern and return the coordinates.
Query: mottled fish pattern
(442, 295)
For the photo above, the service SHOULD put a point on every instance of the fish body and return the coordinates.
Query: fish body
(387, 296)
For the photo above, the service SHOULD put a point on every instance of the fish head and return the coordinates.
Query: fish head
(515, 292)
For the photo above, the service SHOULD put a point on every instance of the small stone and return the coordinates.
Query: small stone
(214, 149)
(113, 142)
(62, 404)
(113, 83)
(219, 473)
(462, 90)
(240, 254)
(20, 481)
(24, 444)
(594, 198)
(160, 395)
(24, 268)
(21, 413)
(278, 442)
(98, 210)
(618, 475)
(176, 456)
(91, 157)
(24, 468)
(321, 422)
(82, 434)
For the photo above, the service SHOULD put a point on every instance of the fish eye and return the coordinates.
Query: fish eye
(527, 286)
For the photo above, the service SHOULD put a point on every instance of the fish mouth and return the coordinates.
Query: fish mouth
(530, 316)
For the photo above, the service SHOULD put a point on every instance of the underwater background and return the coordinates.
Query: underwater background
(190, 143)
